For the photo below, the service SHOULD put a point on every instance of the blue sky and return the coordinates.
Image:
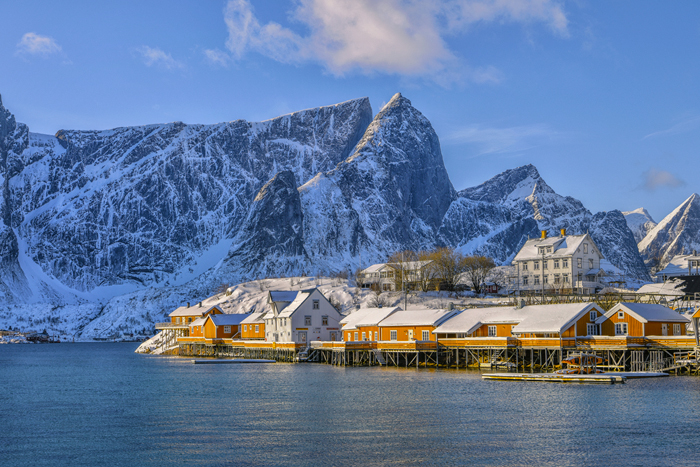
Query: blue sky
(601, 96)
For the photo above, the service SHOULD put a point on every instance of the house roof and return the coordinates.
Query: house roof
(375, 268)
(561, 247)
(366, 317)
(678, 266)
(253, 318)
(227, 319)
(283, 295)
(198, 322)
(645, 312)
(195, 310)
(529, 319)
(417, 317)
(671, 287)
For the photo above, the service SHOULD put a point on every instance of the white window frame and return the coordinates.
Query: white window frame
(537, 280)
(426, 335)
(565, 263)
(525, 280)
(620, 315)
(364, 336)
(324, 320)
(579, 263)
(524, 265)
(676, 329)
(591, 329)
(257, 328)
(393, 335)
(592, 315)
(621, 329)
(316, 305)
(493, 331)
(355, 336)
(376, 335)
(585, 248)
(536, 265)
(245, 328)
(227, 329)
(556, 264)
(590, 263)
(307, 320)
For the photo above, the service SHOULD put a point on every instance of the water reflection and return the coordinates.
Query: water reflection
(89, 404)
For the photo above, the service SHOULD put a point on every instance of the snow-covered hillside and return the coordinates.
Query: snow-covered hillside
(105, 232)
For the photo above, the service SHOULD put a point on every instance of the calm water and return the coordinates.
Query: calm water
(101, 404)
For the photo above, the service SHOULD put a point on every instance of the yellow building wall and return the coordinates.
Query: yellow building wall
(502, 330)
(402, 332)
(248, 331)
(634, 327)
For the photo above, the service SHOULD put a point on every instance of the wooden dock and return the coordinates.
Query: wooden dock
(602, 378)
(231, 361)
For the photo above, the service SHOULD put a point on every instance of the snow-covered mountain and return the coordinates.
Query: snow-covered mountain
(640, 222)
(106, 231)
(676, 234)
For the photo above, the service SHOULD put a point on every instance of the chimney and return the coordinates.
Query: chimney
(544, 234)
(450, 306)
(200, 304)
(563, 232)
(188, 304)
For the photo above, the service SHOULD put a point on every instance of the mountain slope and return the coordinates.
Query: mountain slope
(677, 233)
(640, 223)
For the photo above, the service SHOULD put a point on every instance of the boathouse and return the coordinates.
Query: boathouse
(253, 327)
(642, 320)
(363, 324)
(413, 324)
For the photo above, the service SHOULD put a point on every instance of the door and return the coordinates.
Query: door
(664, 329)
(333, 336)
(302, 337)
(410, 334)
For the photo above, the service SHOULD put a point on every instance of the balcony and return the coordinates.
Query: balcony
(162, 326)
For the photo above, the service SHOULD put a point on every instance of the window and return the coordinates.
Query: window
(492, 331)
(376, 335)
(324, 320)
(349, 337)
(620, 329)
(620, 315)
(544, 264)
(565, 263)
(392, 335)
(593, 315)
(557, 279)
(316, 305)
(524, 265)
(549, 249)
(245, 328)
(556, 264)
(566, 278)
(579, 262)
(227, 329)
(355, 339)
(677, 329)
(585, 248)
(546, 278)
(535, 265)
(257, 328)
(590, 264)
(537, 280)
(177, 320)
(364, 336)
(524, 280)
(591, 329)
(307, 320)
(426, 335)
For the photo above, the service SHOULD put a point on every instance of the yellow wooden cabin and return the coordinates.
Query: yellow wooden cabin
(363, 324)
(643, 320)
(253, 327)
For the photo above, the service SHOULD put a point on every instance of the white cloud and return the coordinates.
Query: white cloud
(154, 56)
(386, 36)
(502, 140)
(34, 44)
(217, 57)
(680, 127)
(655, 178)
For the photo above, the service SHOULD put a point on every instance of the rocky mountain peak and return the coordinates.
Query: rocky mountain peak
(640, 223)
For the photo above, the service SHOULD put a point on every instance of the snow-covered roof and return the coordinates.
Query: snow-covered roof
(292, 307)
(678, 266)
(529, 319)
(410, 265)
(283, 295)
(198, 322)
(366, 317)
(417, 317)
(253, 318)
(561, 247)
(375, 268)
(195, 310)
(227, 320)
(669, 287)
(645, 312)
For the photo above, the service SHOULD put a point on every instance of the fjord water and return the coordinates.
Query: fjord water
(101, 404)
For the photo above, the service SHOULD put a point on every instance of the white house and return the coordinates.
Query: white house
(301, 317)
(383, 276)
(680, 265)
(566, 262)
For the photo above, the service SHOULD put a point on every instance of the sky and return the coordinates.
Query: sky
(602, 97)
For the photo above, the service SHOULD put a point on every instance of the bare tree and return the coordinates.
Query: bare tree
(450, 264)
(401, 263)
(476, 268)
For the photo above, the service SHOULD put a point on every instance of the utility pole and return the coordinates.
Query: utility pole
(403, 283)
(543, 260)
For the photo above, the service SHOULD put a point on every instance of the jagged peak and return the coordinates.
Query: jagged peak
(359, 102)
(519, 182)
(284, 179)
